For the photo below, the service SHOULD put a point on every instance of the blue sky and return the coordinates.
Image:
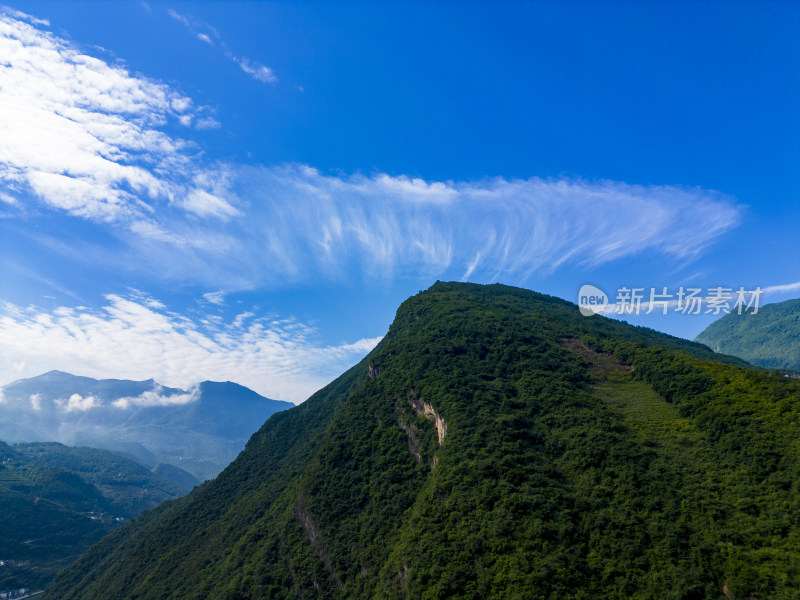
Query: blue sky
(247, 191)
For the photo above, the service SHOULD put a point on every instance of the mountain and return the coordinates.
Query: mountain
(200, 431)
(185, 481)
(56, 501)
(495, 444)
(769, 338)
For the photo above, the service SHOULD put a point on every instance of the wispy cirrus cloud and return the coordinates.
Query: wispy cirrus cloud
(217, 297)
(785, 288)
(296, 225)
(209, 35)
(303, 225)
(18, 14)
(485, 229)
(138, 339)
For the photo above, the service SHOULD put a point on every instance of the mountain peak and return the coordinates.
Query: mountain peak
(228, 390)
(54, 374)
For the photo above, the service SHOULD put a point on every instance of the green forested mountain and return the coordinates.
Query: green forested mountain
(495, 444)
(55, 501)
(769, 338)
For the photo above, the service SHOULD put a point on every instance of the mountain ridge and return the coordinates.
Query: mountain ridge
(769, 338)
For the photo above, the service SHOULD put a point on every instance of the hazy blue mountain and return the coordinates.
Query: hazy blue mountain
(198, 430)
(769, 338)
(55, 501)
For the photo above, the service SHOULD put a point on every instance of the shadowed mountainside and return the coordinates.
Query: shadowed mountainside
(55, 501)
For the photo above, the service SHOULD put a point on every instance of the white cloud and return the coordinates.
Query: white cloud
(36, 402)
(205, 204)
(207, 123)
(242, 317)
(209, 35)
(179, 17)
(75, 403)
(256, 70)
(156, 397)
(217, 297)
(18, 14)
(134, 339)
(782, 289)
(85, 136)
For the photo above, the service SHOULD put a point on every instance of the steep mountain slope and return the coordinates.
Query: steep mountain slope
(185, 481)
(769, 338)
(200, 430)
(56, 501)
(496, 444)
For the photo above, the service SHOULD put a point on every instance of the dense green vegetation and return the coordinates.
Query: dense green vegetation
(55, 501)
(185, 481)
(769, 338)
(496, 444)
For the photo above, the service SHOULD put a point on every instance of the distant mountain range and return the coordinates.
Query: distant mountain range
(769, 338)
(55, 501)
(200, 430)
